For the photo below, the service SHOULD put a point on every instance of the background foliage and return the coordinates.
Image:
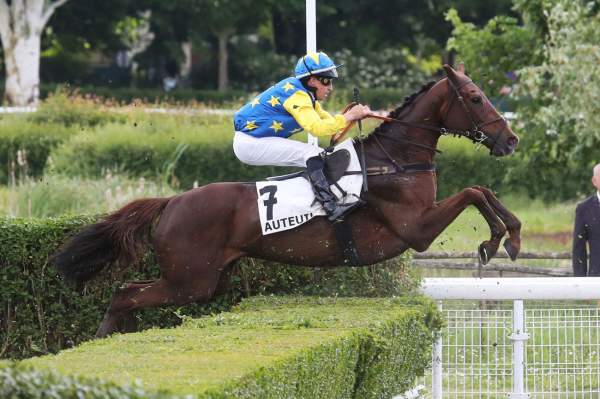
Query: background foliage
(551, 63)
(560, 98)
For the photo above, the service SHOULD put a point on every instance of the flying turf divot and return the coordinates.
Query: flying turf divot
(267, 347)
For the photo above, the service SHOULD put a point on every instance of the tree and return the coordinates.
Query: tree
(21, 26)
(495, 51)
(225, 18)
(561, 118)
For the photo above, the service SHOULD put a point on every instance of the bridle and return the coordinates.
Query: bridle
(475, 134)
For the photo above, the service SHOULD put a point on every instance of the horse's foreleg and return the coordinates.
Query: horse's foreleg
(513, 225)
(435, 220)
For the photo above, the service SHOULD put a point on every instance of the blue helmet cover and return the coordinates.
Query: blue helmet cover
(317, 64)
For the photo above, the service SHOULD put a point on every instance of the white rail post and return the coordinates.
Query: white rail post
(518, 338)
(311, 43)
(436, 365)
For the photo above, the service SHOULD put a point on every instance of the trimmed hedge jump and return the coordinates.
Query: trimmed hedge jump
(266, 347)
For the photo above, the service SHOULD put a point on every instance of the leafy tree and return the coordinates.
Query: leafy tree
(494, 52)
(562, 119)
(226, 18)
(79, 33)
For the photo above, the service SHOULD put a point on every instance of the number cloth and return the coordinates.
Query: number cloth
(284, 205)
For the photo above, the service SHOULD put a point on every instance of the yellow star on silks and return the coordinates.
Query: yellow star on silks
(288, 86)
(255, 102)
(250, 125)
(274, 101)
(297, 130)
(314, 56)
(277, 126)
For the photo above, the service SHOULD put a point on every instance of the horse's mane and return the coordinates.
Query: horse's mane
(408, 100)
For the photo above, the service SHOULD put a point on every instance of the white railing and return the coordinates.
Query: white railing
(549, 350)
(17, 110)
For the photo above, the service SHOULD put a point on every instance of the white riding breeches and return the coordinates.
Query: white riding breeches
(275, 151)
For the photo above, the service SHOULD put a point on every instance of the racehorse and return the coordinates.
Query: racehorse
(198, 235)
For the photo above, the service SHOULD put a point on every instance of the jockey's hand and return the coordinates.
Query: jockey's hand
(357, 112)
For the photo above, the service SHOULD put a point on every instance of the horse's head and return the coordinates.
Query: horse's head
(467, 110)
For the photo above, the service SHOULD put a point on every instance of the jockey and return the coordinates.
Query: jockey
(264, 125)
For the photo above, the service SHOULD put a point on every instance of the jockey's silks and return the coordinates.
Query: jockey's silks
(284, 109)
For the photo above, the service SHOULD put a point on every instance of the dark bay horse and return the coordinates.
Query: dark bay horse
(199, 234)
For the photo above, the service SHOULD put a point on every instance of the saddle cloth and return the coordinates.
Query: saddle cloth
(286, 204)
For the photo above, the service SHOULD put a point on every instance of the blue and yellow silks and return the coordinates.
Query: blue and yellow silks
(284, 109)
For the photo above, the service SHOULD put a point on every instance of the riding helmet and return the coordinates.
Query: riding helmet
(317, 64)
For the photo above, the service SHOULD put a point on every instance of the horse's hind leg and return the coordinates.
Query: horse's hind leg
(435, 220)
(513, 225)
(161, 292)
(128, 323)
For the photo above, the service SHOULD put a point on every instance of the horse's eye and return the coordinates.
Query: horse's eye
(476, 100)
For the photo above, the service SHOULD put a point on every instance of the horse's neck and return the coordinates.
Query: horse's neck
(406, 144)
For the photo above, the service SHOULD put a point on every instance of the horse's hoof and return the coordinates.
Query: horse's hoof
(484, 257)
(511, 249)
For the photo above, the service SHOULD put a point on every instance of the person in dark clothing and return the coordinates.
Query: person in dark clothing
(587, 233)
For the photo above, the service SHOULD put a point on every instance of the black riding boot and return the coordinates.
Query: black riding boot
(323, 193)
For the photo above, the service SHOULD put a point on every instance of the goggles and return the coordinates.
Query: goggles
(326, 81)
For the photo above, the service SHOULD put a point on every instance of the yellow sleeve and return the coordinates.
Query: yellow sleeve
(322, 113)
(314, 120)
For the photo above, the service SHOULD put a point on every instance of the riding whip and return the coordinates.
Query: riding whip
(362, 145)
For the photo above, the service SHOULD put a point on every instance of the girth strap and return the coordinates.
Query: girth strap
(344, 237)
(390, 170)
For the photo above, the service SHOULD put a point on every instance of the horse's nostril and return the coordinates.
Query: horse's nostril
(512, 141)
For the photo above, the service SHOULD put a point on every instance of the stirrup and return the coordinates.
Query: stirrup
(341, 210)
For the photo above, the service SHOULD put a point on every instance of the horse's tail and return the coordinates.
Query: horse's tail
(120, 237)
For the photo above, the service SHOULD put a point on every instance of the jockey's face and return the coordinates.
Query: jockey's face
(323, 86)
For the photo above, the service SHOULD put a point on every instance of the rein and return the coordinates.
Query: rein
(475, 134)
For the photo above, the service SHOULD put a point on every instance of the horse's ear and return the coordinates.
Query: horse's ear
(451, 73)
(461, 67)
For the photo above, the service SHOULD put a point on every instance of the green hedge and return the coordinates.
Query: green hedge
(34, 141)
(179, 153)
(376, 98)
(68, 110)
(187, 153)
(275, 347)
(151, 95)
(183, 149)
(40, 314)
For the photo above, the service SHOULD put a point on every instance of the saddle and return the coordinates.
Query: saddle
(336, 165)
